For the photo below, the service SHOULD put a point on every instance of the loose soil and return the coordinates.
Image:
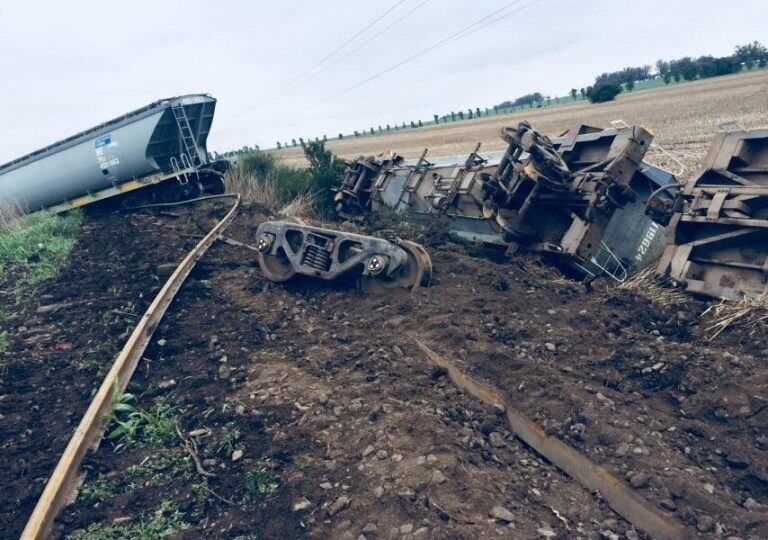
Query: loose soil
(313, 393)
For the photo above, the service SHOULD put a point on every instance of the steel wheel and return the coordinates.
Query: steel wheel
(276, 267)
(417, 272)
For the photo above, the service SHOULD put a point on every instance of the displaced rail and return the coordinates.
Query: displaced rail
(64, 480)
(615, 492)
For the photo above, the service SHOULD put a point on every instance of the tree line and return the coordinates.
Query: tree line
(605, 88)
(608, 85)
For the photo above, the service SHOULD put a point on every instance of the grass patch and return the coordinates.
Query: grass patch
(158, 470)
(37, 246)
(261, 178)
(167, 521)
(154, 427)
(260, 482)
(5, 342)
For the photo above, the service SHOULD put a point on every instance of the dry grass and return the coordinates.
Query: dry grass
(658, 290)
(11, 217)
(263, 191)
(252, 189)
(684, 118)
(752, 313)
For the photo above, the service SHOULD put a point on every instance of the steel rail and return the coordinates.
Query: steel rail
(620, 497)
(60, 489)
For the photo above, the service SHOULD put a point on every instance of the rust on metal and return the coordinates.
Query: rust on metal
(579, 199)
(623, 499)
(63, 482)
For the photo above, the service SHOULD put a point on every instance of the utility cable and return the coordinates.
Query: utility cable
(456, 35)
(366, 42)
(340, 47)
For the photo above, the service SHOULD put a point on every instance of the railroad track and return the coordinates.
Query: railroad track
(63, 482)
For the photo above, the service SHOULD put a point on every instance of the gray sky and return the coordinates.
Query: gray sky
(69, 65)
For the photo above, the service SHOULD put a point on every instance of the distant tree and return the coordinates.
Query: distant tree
(372, 130)
(667, 78)
(477, 111)
(495, 109)
(380, 130)
(279, 146)
(527, 99)
(293, 142)
(325, 138)
(684, 68)
(662, 68)
(437, 119)
(453, 116)
(341, 136)
(420, 124)
(461, 115)
(630, 85)
(301, 141)
(357, 133)
(404, 126)
(603, 92)
(583, 92)
(574, 93)
(470, 114)
(388, 128)
(751, 53)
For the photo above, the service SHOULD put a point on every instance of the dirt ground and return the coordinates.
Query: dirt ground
(684, 117)
(320, 418)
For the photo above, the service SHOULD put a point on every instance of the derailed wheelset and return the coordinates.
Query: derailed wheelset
(286, 249)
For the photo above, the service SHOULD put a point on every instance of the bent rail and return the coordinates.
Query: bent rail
(60, 488)
(620, 497)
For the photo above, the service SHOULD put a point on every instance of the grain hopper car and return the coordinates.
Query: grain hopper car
(580, 198)
(162, 144)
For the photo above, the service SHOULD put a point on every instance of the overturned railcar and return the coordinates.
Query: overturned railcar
(718, 223)
(579, 198)
(162, 141)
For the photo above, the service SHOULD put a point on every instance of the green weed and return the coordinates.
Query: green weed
(154, 427)
(260, 482)
(38, 246)
(5, 342)
(167, 521)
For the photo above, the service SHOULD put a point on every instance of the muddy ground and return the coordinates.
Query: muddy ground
(320, 418)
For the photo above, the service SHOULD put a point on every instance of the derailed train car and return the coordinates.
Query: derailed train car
(165, 140)
(718, 221)
(579, 198)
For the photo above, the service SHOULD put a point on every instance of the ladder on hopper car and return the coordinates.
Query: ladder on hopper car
(188, 142)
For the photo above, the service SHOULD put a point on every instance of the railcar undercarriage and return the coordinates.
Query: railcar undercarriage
(579, 198)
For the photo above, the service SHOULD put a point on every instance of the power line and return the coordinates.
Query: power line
(340, 47)
(456, 35)
(366, 42)
(279, 91)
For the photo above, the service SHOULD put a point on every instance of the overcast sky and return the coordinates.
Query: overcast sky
(69, 65)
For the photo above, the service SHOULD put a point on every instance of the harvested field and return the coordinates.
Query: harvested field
(684, 117)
